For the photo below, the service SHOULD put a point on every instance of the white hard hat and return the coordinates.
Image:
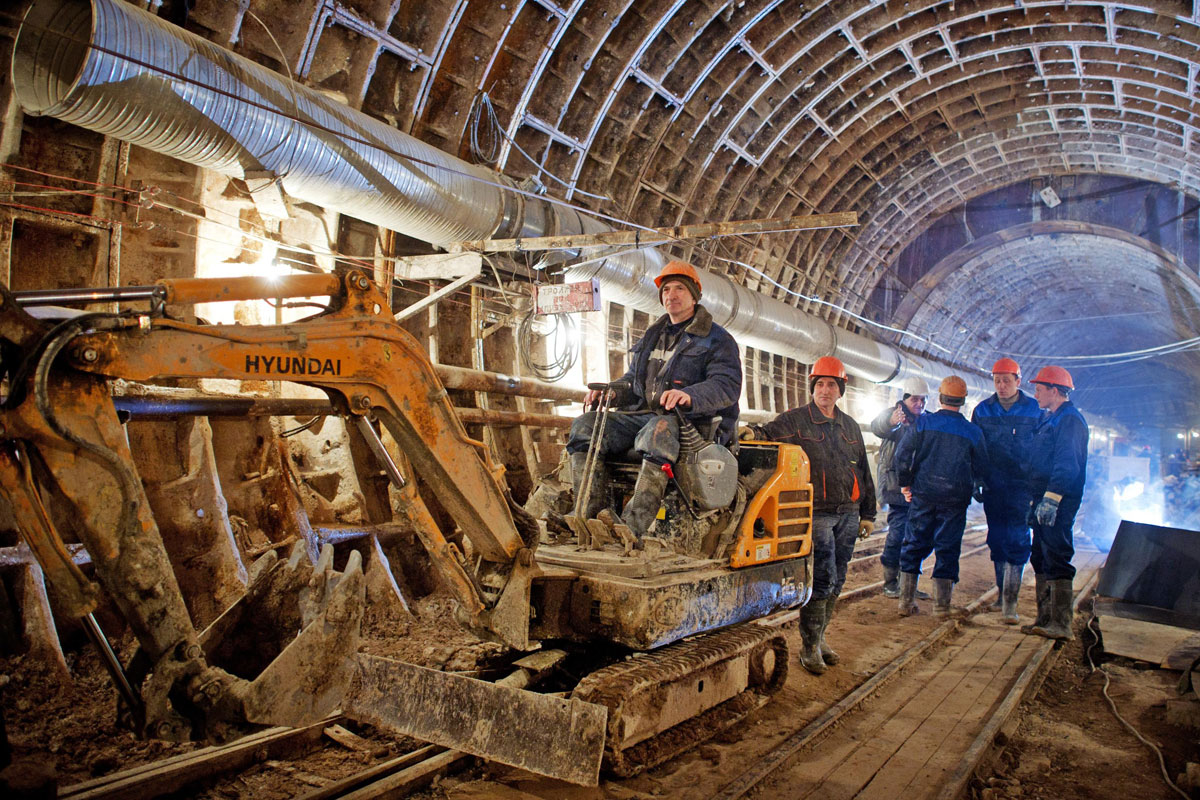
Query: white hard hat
(915, 386)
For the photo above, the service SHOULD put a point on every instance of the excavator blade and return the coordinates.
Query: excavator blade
(551, 736)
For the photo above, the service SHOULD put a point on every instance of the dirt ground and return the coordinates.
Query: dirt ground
(1067, 745)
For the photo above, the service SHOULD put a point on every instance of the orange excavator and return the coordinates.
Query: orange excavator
(683, 607)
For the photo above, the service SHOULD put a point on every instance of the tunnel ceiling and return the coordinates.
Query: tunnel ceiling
(938, 122)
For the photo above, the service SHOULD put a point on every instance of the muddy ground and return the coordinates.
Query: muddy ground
(1067, 744)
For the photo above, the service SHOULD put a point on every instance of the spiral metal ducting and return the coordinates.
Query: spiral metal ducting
(111, 68)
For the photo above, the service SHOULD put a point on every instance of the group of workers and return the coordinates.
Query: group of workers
(1023, 457)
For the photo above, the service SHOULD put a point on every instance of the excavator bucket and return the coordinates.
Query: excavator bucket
(293, 679)
(561, 738)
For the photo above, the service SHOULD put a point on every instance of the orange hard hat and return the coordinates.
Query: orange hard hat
(828, 367)
(1006, 365)
(1054, 376)
(953, 386)
(680, 269)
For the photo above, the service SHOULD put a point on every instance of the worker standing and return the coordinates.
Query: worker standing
(1007, 419)
(1057, 471)
(684, 360)
(938, 466)
(843, 497)
(891, 427)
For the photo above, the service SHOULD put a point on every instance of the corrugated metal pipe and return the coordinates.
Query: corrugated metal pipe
(112, 68)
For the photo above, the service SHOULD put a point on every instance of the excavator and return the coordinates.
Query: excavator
(668, 630)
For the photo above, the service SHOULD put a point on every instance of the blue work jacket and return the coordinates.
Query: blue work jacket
(1009, 437)
(1058, 458)
(943, 458)
(706, 365)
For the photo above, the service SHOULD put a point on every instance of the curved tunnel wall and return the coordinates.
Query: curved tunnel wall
(109, 67)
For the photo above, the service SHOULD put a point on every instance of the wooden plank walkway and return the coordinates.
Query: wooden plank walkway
(912, 736)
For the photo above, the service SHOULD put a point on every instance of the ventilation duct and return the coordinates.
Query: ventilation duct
(112, 68)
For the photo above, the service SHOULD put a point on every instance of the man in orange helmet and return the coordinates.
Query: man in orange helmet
(1007, 419)
(685, 361)
(1057, 470)
(843, 497)
(938, 467)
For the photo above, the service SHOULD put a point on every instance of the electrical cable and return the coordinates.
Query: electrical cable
(564, 351)
(1162, 764)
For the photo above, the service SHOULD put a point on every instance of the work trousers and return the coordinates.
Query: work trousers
(654, 436)
(897, 526)
(833, 536)
(933, 528)
(1007, 510)
(1054, 546)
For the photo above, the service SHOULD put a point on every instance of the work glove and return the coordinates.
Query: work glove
(979, 490)
(865, 528)
(1047, 510)
(748, 433)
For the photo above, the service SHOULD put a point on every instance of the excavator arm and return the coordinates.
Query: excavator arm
(61, 438)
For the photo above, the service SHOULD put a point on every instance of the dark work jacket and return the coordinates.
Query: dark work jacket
(942, 459)
(889, 438)
(1009, 437)
(706, 365)
(1058, 458)
(839, 471)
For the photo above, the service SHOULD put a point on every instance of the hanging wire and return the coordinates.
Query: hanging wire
(562, 345)
(485, 144)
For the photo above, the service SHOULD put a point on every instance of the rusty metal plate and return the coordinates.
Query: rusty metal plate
(562, 739)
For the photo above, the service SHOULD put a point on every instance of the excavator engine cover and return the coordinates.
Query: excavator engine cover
(708, 477)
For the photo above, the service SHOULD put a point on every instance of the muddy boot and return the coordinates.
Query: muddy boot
(642, 508)
(1011, 588)
(1058, 624)
(812, 623)
(908, 594)
(998, 603)
(942, 589)
(827, 653)
(891, 581)
(1043, 604)
(599, 494)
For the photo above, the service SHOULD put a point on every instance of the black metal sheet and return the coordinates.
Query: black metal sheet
(1152, 565)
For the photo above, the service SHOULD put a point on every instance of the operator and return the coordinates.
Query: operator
(843, 497)
(938, 466)
(891, 427)
(1007, 419)
(685, 361)
(1057, 470)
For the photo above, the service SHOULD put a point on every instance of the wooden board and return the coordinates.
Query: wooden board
(1184, 653)
(1145, 641)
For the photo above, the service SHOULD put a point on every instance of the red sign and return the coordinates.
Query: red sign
(566, 298)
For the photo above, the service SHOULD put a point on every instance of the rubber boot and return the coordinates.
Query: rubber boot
(599, 494)
(908, 594)
(812, 623)
(827, 653)
(1011, 588)
(1043, 604)
(642, 508)
(891, 581)
(942, 589)
(1062, 595)
(998, 603)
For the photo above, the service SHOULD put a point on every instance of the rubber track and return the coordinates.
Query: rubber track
(612, 686)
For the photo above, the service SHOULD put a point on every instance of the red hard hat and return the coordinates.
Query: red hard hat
(1006, 365)
(1054, 376)
(827, 367)
(678, 268)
